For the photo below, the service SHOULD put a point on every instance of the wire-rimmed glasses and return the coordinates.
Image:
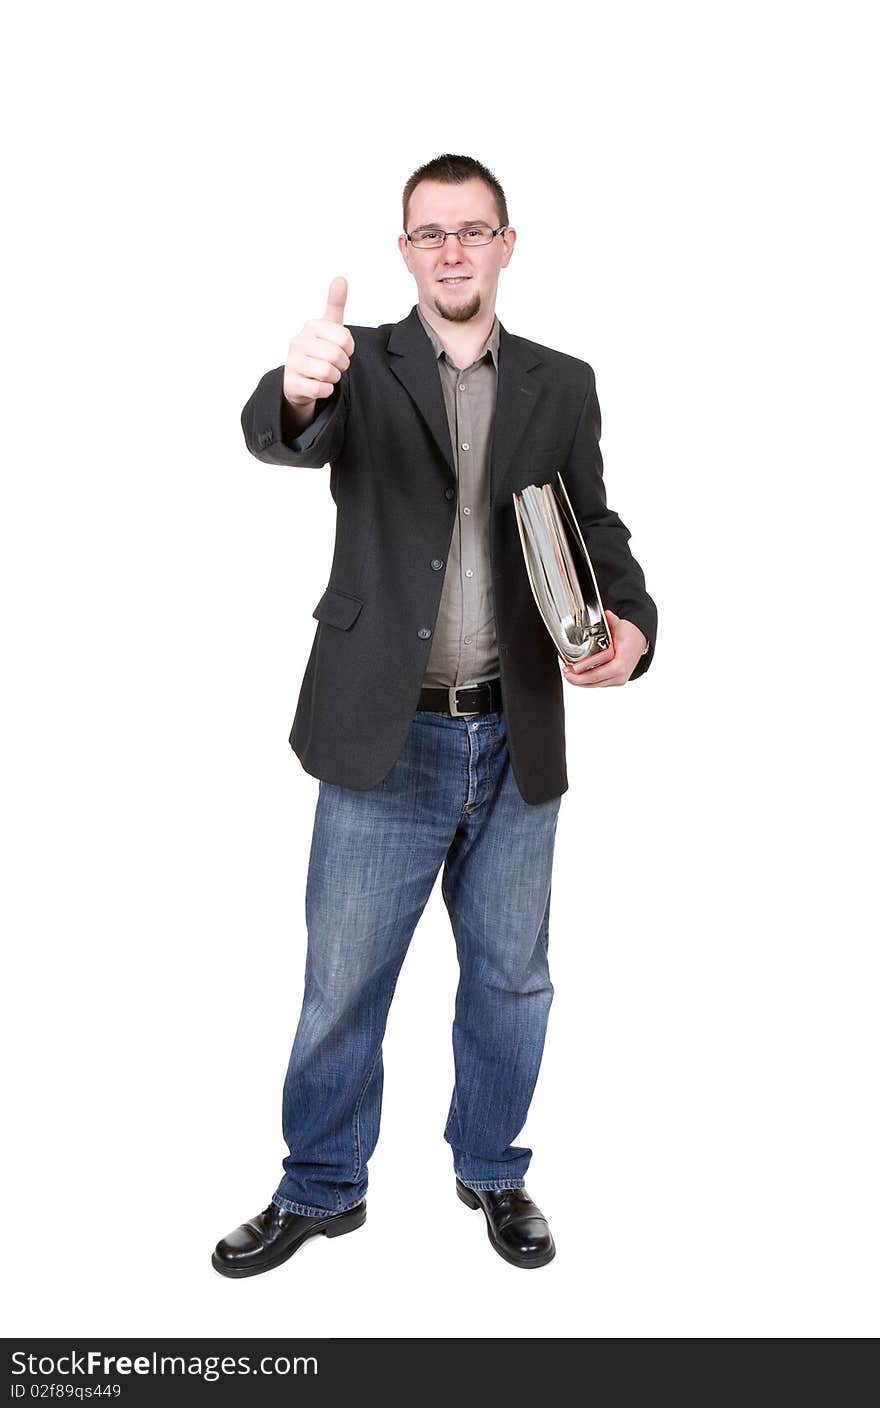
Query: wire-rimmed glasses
(470, 235)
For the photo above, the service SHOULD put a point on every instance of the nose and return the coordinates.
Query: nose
(451, 253)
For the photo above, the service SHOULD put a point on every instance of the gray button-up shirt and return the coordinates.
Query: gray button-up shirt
(464, 649)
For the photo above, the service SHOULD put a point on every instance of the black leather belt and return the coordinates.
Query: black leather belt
(482, 698)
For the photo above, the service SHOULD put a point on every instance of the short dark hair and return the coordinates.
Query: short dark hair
(453, 170)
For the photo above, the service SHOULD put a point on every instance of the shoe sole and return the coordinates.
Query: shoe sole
(470, 1200)
(344, 1222)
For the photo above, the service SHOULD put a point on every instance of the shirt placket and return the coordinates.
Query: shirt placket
(466, 452)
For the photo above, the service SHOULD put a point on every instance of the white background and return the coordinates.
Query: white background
(691, 188)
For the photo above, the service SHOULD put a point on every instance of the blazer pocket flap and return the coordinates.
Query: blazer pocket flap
(338, 609)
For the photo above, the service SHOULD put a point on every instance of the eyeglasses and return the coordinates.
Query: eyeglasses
(435, 239)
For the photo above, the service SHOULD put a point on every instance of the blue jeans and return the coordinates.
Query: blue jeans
(450, 799)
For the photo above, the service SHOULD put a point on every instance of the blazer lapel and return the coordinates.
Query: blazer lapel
(413, 361)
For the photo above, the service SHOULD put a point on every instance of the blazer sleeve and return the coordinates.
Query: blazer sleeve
(620, 579)
(268, 434)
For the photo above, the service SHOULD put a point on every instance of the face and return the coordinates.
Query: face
(451, 207)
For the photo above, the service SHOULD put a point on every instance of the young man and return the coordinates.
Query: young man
(431, 708)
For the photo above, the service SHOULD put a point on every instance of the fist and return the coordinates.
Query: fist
(320, 352)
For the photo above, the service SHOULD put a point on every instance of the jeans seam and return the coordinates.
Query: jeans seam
(366, 1085)
(357, 1112)
(453, 1111)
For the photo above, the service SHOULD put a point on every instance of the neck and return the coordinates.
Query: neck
(463, 341)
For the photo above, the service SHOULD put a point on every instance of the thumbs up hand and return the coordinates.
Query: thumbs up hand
(319, 353)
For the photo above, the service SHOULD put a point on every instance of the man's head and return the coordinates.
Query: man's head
(456, 193)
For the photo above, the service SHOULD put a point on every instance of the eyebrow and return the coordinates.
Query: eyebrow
(433, 224)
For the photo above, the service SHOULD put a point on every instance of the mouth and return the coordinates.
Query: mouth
(454, 282)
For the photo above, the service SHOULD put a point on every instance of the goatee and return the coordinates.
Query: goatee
(459, 312)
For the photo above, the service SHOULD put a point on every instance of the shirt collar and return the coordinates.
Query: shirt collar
(491, 344)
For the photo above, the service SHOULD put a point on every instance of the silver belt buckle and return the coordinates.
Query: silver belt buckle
(453, 702)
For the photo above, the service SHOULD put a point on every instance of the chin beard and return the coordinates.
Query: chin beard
(458, 312)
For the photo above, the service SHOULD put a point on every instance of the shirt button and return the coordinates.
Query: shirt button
(468, 639)
(424, 632)
(465, 510)
(450, 493)
(436, 563)
(465, 445)
(462, 386)
(469, 572)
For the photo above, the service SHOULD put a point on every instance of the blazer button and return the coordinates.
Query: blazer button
(424, 632)
(436, 563)
(450, 493)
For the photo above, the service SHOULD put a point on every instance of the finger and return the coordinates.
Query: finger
(601, 657)
(318, 369)
(333, 334)
(322, 348)
(332, 351)
(587, 669)
(308, 388)
(336, 300)
(588, 682)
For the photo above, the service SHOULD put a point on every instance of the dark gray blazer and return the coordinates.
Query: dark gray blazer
(385, 435)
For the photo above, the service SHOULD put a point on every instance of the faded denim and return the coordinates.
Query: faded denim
(449, 800)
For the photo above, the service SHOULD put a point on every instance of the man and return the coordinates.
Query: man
(431, 707)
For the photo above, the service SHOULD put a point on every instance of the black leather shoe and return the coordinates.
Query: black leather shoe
(273, 1235)
(518, 1229)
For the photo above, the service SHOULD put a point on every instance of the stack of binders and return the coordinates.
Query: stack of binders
(560, 571)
